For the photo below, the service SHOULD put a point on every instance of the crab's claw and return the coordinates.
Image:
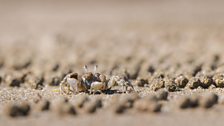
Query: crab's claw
(72, 83)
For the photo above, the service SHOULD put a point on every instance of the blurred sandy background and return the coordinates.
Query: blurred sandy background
(86, 22)
(34, 17)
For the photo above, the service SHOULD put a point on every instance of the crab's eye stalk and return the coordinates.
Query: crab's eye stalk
(95, 69)
(85, 68)
(74, 75)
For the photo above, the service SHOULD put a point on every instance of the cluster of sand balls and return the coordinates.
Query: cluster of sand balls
(116, 104)
(180, 82)
(27, 74)
(206, 101)
(25, 108)
(84, 104)
(33, 76)
(28, 78)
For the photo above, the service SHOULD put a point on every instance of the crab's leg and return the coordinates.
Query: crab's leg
(90, 91)
(61, 87)
(62, 90)
(124, 88)
(85, 69)
(76, 88)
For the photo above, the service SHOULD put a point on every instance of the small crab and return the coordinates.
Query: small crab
(92, 82)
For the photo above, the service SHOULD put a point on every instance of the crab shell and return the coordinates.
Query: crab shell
(98, 86)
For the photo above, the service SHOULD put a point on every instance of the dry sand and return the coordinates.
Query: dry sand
(157, 36)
